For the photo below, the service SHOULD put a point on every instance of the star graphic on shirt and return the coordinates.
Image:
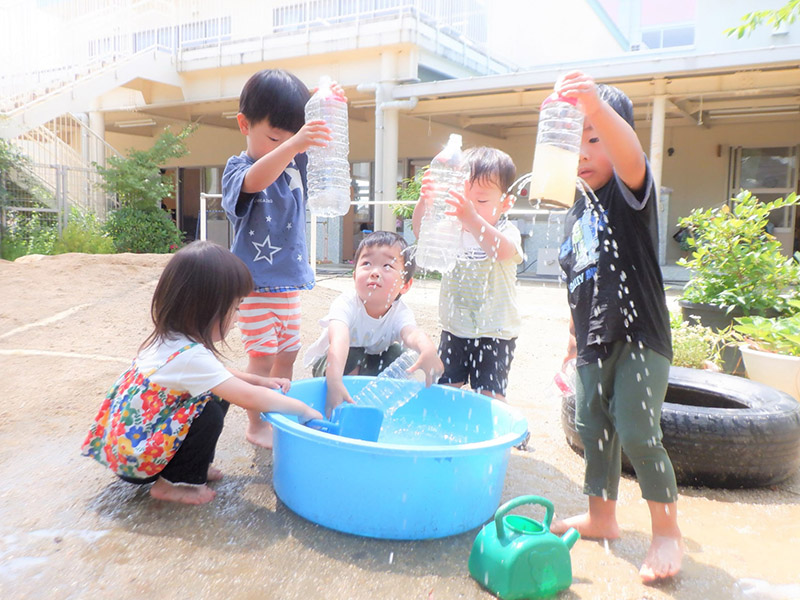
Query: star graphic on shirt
(269, 219)
(252, 233)
(299, 258)
(260, 247)
(288, 226)
(295, 182)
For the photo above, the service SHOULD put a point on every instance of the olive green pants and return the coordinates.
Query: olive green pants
(618, 407)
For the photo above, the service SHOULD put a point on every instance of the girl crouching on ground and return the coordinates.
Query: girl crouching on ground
(161, 420)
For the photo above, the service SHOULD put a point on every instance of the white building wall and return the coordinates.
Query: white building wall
(536, 33)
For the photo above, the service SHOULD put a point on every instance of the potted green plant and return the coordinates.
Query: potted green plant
(771, 349)
(737, 267)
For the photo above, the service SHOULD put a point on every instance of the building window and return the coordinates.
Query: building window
(667, 24)
(769, 173)
(668, 37)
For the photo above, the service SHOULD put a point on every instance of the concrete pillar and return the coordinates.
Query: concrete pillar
(657, 162)
(391, 119)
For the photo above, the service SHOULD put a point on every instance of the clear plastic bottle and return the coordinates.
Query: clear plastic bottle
(394, 386)
(328, 167)
(440, 234)
(558, 147)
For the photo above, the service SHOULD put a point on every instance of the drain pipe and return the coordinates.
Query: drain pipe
(386, 140)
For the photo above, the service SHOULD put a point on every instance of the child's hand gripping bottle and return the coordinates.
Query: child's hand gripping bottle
(558, 147)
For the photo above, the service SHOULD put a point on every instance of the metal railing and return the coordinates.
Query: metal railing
(62, 153)
(214, 200)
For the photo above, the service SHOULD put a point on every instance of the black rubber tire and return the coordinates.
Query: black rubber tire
(720, 431)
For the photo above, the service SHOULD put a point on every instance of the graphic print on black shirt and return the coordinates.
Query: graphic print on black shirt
(614, 283)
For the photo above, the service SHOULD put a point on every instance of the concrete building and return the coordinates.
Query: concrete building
(714, 113)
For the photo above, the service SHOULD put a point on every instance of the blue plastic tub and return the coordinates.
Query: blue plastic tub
(437, 468)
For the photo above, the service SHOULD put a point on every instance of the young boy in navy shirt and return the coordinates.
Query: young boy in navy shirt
(264, 196)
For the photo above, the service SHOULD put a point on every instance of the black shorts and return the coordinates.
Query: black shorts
(483, 362)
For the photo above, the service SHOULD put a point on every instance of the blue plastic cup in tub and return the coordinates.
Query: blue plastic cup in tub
(437, 468)
(352, 421)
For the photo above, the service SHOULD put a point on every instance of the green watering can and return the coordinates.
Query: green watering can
(516, 557)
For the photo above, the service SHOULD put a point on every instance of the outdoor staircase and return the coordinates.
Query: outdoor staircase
(61, 148)
(27, 111)
(61, 155)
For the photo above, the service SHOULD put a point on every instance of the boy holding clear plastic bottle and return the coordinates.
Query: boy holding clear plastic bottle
(478, 299)
(364, 327)
(620, 325)
(264, 197)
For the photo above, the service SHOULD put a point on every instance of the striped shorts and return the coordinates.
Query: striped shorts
(270, 322)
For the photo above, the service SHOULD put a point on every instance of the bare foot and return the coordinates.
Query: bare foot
(259, 434)
(214, 474)
(591, 529)
(186, 494)
(663, 559)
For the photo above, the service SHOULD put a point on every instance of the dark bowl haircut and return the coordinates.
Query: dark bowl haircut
(490, 165)
(389, 238)
(276, 96)
(617, 100)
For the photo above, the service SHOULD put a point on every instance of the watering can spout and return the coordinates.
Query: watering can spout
(570, 537)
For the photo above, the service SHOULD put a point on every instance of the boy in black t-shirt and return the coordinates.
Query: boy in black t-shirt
(620, 325)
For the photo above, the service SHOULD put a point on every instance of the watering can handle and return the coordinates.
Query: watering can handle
(512, 504)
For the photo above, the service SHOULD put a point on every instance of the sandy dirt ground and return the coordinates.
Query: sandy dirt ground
(69, 529)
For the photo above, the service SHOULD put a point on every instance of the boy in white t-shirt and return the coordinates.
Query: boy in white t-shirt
(364, 327)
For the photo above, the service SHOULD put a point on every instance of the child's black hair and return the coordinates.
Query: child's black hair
(277, 96)
(491, 165)
(196, 292)
(389, 238)
(617, 100)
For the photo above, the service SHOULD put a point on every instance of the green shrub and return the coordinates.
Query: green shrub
(137, 179)
(84, 233)
(735, 262)
(779, 335)
(143, 230)
(409, 189)
(28, 233)
(695, 346)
